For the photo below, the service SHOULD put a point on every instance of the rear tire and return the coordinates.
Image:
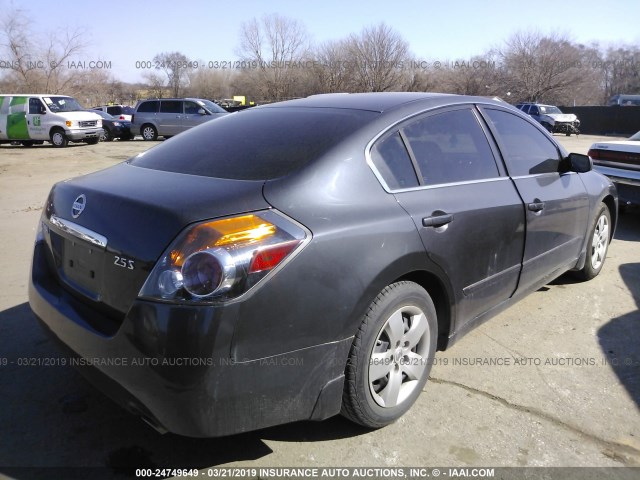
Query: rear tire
(597, 244)
(391, 356)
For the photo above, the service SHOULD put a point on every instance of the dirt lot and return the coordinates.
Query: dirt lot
(564, 389)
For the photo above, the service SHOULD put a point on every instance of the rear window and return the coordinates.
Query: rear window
(114, 110)
(256, 144)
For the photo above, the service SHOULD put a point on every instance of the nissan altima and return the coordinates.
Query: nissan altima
(307, 258)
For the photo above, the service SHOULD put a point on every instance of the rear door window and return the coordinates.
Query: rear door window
(149, 107)
(451, 147)
(171, 106)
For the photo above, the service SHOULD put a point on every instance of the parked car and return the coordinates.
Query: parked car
(113, 128)
(167, 117)
(121, 112)
(552, 118)
(34, 118)
(620, 161)
(302, 259)
(624, 101)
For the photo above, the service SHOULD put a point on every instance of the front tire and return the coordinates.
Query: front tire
(106, 136)
(58, 138)
(598, 244)
(149, 132)
(391, 356)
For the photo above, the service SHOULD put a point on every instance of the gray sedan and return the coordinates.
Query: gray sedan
(307, 258)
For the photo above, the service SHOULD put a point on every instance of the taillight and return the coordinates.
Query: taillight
(630, 158)
(219, 260)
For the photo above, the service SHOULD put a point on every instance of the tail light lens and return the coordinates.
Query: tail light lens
(219, 260)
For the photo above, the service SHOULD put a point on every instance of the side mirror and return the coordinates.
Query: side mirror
(579, 163)
(202, 111)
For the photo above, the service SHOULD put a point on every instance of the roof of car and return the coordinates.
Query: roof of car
(378, 101)
(172, 98)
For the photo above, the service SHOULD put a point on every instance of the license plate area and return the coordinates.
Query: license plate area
(81, 266)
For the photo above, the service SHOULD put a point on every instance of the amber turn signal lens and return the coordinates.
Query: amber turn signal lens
(229, 231)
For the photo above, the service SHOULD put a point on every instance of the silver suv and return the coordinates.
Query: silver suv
(167, 117)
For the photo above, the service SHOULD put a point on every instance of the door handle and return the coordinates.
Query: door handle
(437, 220)
(536, 206)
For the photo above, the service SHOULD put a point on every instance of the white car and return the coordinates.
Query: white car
(120, 112)
(620, 161)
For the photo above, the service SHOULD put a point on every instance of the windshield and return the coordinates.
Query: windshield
(62, 104)
(550, 110)
(212, 107)
(255, 144)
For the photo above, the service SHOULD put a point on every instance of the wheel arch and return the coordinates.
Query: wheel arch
(610, 202)
(56, 127)
(441, 299)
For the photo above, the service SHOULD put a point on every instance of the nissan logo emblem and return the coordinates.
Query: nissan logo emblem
(78, 206)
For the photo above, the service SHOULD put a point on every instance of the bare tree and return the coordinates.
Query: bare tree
(37, 63)
(176, 67)
(331, 71)
(621, 69)
(211, 84)
(274, 49)
(377, 57)
(540, 66)
(155, 84)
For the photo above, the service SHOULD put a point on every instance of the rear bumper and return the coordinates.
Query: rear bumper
(173, 365)
(627, 183)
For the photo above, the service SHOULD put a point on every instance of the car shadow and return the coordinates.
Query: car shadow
(628, 224)
(619, 337)
(628, 230)
(52, 417)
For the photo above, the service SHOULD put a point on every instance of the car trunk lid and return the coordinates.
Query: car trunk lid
(105, 231)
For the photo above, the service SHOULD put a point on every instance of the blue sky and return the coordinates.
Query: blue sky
(136, 30)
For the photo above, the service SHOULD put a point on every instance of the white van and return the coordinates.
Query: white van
(59, 119)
